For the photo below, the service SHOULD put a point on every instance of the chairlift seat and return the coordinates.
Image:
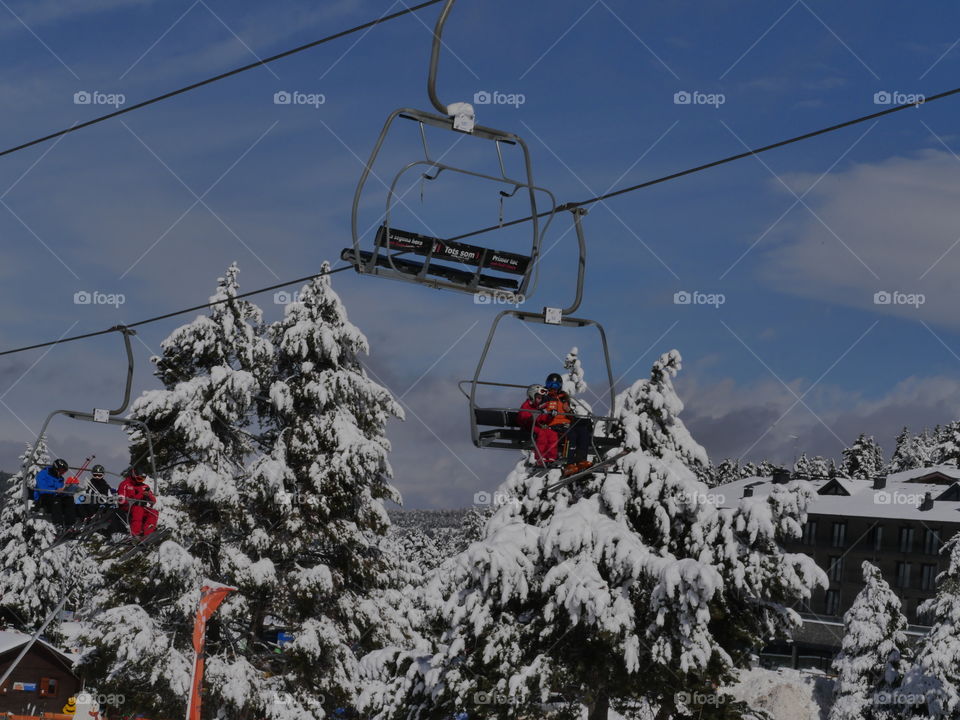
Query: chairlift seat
(403, 241)
(507, 433)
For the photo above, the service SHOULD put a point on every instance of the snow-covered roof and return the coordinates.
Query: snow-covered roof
(950, 471)
(13, 639)
(900, 499)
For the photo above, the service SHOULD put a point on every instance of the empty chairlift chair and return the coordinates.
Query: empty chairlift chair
(447, 262)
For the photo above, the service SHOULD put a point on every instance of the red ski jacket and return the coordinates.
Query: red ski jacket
(134, 488)
(525, 416)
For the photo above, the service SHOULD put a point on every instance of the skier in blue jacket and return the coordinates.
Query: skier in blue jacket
(47, 495)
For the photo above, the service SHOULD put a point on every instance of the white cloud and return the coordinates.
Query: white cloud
(886, 226)
(731, 418)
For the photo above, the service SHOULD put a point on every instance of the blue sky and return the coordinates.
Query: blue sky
(798, 356)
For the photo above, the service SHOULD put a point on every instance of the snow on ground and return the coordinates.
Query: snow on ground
(784, 693)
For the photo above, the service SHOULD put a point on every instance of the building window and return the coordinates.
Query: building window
(928, 577)
(832, 605)
(877, 538)
(48, 687)
(906, 539)
(931, 541)
(810, 533)
(839, 534)
(836, 568)
(903, 575)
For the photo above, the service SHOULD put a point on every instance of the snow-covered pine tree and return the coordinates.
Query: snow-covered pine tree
(926, 447)
(863, 459)
(277, 475)
(767, 468)
(870, 665)
(749, 469)
(932, 684)
(204, 426)
(726, 471)
(327, 421)
(819, 467)
(573, 382)
(802, 467)
(906, 453)
(947, 451)
(626, 587)
(33, 578)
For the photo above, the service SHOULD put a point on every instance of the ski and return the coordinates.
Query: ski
(155, 538)
(78, 532)
(589, 471)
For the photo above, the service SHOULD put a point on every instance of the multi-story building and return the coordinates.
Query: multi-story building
(898, 522)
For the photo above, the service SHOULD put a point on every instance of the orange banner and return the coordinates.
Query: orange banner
(211, 595)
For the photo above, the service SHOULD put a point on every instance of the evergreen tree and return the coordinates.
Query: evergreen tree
(947, 450)
(926, 447)
(932, 685)
(767, 468)
(905, 453)
(802, 467)
(819, 467)
(33, 577)
(328, 420)
(727, 471)
(623, 588)
(870, 665)
(272, 439)
(212, 370)
(573, 381)
(863, 459)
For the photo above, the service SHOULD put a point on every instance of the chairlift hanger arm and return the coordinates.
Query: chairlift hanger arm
(126, 332)
(435, 57)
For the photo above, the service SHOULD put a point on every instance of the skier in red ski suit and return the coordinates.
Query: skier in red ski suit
(136, 503)
(544, 438)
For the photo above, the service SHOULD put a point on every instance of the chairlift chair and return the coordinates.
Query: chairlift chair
(448, 263)
(100, 416)
(497, 427)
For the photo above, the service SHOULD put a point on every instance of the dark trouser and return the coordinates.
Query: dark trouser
(578, 436)
(60, 508)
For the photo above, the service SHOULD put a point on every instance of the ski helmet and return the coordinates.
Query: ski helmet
(554, 381)
(98, 470)
(535, 392)
(60, 465)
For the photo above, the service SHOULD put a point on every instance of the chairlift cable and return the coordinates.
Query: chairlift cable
(175, 313)
(721, 161)
(221, 76)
